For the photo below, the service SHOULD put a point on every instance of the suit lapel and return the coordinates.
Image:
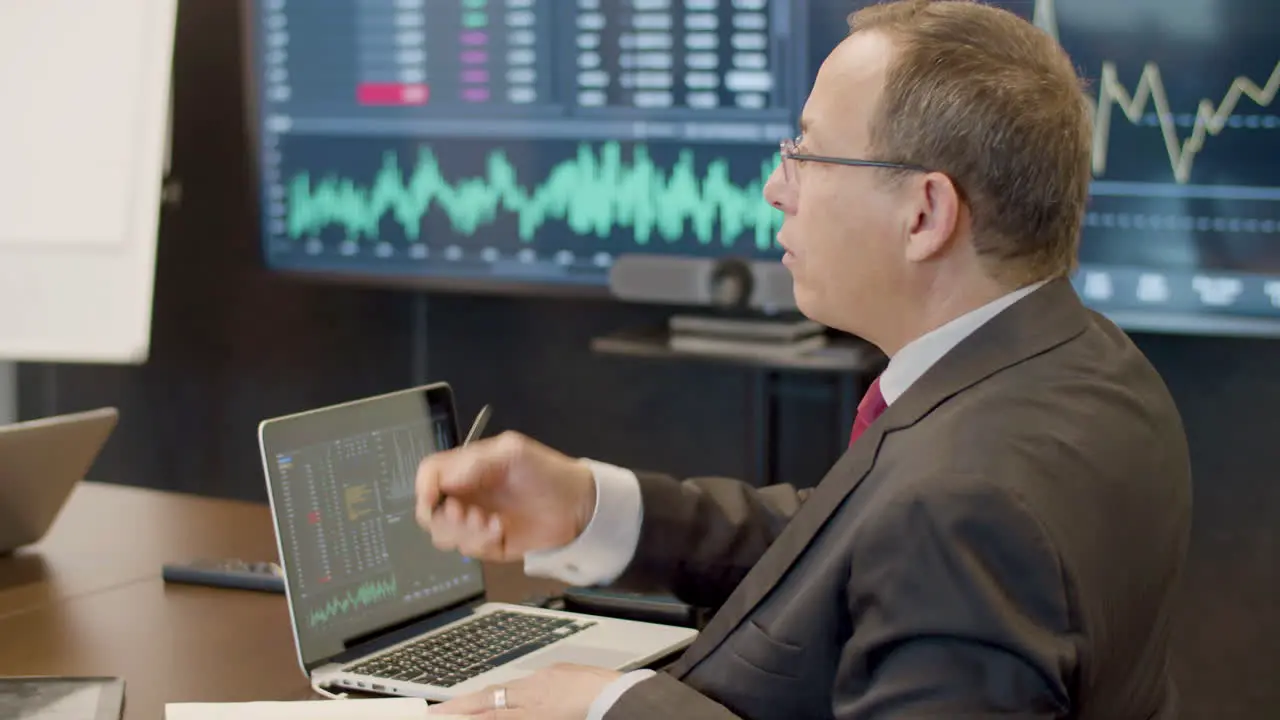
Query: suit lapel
(1044, 319)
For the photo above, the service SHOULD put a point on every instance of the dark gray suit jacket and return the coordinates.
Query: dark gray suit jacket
(1002, 542)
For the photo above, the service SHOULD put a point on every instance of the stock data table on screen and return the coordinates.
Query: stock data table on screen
(534, 141)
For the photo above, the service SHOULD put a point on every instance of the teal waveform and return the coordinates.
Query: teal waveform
(591, 192)
(367, 594)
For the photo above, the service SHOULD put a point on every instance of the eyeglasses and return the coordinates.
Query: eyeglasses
(790, 155)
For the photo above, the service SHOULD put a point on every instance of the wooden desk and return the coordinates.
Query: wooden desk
(169, 643)
(111, 535)
(89, 600)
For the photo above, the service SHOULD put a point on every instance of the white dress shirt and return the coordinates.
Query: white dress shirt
(604, 549)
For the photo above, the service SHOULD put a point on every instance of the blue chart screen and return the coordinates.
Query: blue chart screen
(534, 141)
(356, 558)
(1184, 217)
(531, 140)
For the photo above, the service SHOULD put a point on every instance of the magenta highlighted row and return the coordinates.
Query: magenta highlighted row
(474, 39)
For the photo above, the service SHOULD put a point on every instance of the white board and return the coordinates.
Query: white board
(83, 142)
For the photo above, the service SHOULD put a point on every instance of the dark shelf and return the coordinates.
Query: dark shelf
(843, 355)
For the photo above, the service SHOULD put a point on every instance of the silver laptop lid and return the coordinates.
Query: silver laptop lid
(41, 461)
(340, 481)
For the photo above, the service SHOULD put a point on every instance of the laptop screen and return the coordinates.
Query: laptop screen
(342, 487)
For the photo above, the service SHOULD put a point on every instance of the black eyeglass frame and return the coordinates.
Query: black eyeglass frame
(787, 149)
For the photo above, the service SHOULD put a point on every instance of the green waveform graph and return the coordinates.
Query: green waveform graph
(591, 192)
(369, 593)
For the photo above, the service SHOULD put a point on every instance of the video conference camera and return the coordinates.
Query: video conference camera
(732, 284)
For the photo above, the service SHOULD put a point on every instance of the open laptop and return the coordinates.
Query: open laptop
(374, 605)
(41, 461)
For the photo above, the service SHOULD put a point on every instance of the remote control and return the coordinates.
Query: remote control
(237, 574)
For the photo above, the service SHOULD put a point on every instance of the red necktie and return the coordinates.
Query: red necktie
(869, 408)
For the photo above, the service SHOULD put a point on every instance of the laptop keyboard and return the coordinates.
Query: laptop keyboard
(470, 648)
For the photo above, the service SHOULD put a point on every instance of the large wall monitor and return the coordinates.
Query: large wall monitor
(531, 143)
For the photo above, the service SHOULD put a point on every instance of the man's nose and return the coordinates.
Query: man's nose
(777, 191)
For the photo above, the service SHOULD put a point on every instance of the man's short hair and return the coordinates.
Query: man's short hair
(993, 102)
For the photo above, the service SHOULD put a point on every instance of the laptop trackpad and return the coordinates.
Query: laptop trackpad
(577, 655)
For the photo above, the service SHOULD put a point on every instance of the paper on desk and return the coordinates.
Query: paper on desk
(373, 709)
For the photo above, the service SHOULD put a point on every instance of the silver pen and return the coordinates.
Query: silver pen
(477, 427)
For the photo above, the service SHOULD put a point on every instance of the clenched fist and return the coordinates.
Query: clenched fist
(499, 498)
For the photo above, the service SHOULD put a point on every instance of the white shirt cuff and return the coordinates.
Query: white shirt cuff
(607, 545)
(614, 690)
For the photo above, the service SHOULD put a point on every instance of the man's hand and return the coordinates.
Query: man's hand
(560, 692)
(500, 498)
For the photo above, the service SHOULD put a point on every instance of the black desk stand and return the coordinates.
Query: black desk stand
(848, 363)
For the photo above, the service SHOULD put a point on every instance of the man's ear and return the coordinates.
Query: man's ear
(934, 217)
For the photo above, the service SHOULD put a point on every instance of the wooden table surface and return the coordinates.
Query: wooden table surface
(113, 535)
(89, 600)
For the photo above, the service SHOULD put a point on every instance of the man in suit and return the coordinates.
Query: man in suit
(1004, 533)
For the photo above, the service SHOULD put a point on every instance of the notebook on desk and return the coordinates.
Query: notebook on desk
(380, 709)
(374, 606)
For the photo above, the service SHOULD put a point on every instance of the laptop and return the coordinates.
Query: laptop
(41, 461)
(375, 607)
